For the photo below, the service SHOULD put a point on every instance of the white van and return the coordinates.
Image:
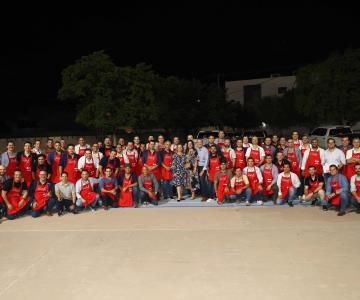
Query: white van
(322, 133)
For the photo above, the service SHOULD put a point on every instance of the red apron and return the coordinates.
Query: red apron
(240, 161)
(82, 151)
(132, 160)
(344, 167)
(239, 184)
(350, 167)
(25, 167)
(286, 184)
(40, 195)
(357, 184)
(107, 151)
(87, 193)
(297, 143)
(55, 174)
(313, 160)
(255, 154)
(280, 167)
(214, 167)
(39, 168)
(253, 182)
(280, 149)
(268, 150)
(313, 185)
(139, 165)
(228, 159)
(109, 185)
(14, 196)
(220, 144)
(10, 169)
(295, 166)
(267, 180)
(111, 165)
(152, 161)
(90, 167)
(72, 170)
(126, 199)
(303, 151)
(1, 188)
(122, 166)
(335, 185)
(166, 174)
(223, 183)
(148, 184)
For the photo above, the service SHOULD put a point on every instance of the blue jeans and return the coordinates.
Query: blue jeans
(290, 197)
(167, 188)
(47, 208)
(244, 194)
(344, 201)
(93, 204)
(20, 213)
(203, 182)
(355, 203)
(211, 189)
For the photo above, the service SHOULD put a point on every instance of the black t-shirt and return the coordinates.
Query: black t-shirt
(319, 178)
(114, 162)
(9, 183)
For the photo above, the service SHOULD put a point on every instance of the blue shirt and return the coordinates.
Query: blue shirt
(344, 185)
(203, 156)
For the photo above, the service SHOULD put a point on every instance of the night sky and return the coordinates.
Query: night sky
(192, 42)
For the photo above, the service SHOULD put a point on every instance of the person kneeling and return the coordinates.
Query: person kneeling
(314, 187)
(42, 196)
(239, 187)
(129, 191)
(222, 182)
(108, 186)
(86, 197)
(355, 189)
(255, 181)
(287, 183)
(148, 186)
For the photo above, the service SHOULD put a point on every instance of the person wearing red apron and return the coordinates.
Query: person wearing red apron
(88, 163)
(3, 179)
(355, 189)
(129, 190)
(214, 167)
(287, 183)
(282, 145)
(112, 162)
(295, 138)
(176, 142)
(337, 190)
(108, 187)
(352, 158)
(15, 196)
(269, 149)
(139, 164)
(69, 164)
(255, 178)
(160, 145)
(314, 187)
(40, 164)
(270, 174)
(148, 187)
(8, 159)
(344, 147)
(166, 173)
(305, 145)
(255, 152)
(81, 147)
(106, 150)
(152, 160)
(211, 142)
(313, 157)
(122, 160)
(293, 155)
(49, 147)
(42, 196)
(25, 160)
(222, 183)
(220, 141)
(132, 156)
(86, 197)
(96, 154)
(54, 162)
(240, 161)
(229, 154)
(239, 187)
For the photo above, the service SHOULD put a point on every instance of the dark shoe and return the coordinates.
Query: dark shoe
(325, 208)
(313, 203)
(341, 213)
(291, 204)
(203, 199)
(358, 211)
(60, 213)
(178, 200)
(49, 214)
(105, 207)
(75, 211)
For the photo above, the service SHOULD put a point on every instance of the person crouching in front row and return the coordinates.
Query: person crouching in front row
(287, 183)
(85, 194)
(148, 186)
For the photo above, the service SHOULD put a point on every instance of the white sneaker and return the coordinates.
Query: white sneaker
(247, 203)
(259, 202)
(210, 200)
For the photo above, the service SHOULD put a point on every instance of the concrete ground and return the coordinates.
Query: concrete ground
(182, 253)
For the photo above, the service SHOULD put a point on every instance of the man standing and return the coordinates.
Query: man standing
(295, 138)
(282, 145)
(160, 146)
(221, 139)
(152, 160)
(63, 144)
(269, 149)
(54, 161)
(49, 147)
(109, 161)
(129, 190)
(229, 154)
(40, 164)
(69, 164)
(166, 173)
(287, 183)
(270, 174)
(9, 160)
(352, 158)
(280, 161)
(253, 173)
(222, 182)
(313, 157)
(86, 197)
(240, 161)
(108, 187)
(344, 147)
(42, 195)
(211, 142)
(15, 195)
(203, 159)
(37, 150)
(3, 179)
(337, 191)
(293, 155)
(132, 155)
(305, 145)
(332, 156)
(240, 187)
(175, 144)
(314, 187)
(25, 160)
(66, 195)
(88, 163)
(255, 152)
(81, 147)
(214, 167)
(148, 186)
(107, 147)
(96, 154)
(355, 189)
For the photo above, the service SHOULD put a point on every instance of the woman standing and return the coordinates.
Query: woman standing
(192, 180)
(179, 171)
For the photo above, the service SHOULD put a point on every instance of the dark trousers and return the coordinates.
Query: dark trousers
(20, 213)
(167, 188)
(107, 201)
(203, 182)
(47, 208)
(211, 189)
(64, 204)
(144, 197)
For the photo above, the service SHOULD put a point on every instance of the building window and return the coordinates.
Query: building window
(282, 90)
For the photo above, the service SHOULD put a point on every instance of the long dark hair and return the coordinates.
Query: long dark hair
(187, 148)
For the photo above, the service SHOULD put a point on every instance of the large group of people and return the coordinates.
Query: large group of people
(67, 177)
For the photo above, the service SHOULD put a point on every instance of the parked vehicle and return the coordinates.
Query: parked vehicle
(336, 132)
(260, 134)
